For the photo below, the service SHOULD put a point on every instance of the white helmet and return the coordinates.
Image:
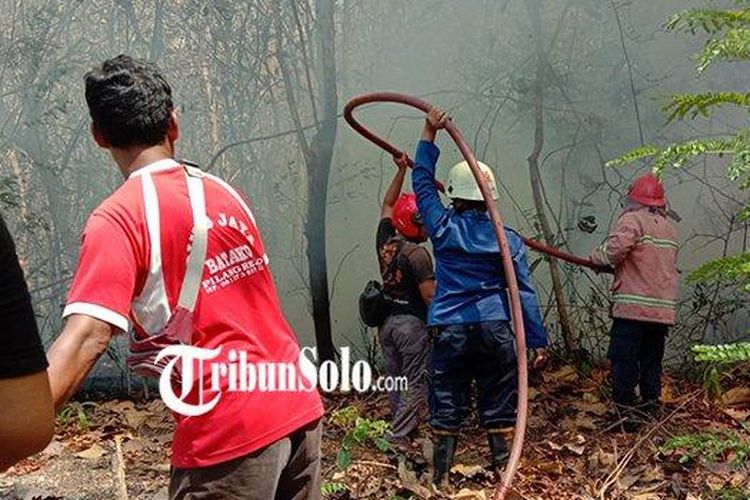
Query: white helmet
(461, 182)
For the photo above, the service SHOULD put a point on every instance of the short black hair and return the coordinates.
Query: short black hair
(129, 101)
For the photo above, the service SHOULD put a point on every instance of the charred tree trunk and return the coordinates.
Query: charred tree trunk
(318, 171)
(317, 153)
(537, 188)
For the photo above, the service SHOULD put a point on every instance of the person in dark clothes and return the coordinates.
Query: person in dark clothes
(27, 420)
(641, 249)
(409, 284)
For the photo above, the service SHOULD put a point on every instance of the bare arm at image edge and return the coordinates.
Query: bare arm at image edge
(26, 415)
(27, 420)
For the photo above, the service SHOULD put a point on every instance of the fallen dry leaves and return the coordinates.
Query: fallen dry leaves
(738, 396)
(568, 454)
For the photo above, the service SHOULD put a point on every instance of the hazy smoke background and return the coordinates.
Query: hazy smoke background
(477, 58)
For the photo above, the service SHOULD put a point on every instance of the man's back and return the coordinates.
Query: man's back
(646, 286)
(132, 264)
(403, 276)
(470, 279)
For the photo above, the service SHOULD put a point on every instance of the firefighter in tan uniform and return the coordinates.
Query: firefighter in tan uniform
(642, 250)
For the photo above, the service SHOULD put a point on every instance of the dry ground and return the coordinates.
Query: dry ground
(574, 450)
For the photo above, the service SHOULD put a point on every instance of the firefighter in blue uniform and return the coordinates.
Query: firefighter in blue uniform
(470, 312)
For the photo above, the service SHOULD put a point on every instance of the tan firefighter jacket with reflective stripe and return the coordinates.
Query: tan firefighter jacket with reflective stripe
(642, 249)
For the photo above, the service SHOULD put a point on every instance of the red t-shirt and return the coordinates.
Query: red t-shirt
(124, 279)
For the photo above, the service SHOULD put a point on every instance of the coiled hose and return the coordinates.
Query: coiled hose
(510, 276)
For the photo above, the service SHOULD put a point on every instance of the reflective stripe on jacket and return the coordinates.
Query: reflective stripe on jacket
(642, 248)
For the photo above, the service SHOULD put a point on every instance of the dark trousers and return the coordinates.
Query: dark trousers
(481, 352)
(636, 350)
(288, 469)
(406, 350)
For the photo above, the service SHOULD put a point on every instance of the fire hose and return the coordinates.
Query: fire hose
(510, 276)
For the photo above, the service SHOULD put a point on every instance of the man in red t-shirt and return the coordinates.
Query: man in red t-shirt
(253, 444)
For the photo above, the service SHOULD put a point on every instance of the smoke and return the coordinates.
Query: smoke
(606, 68)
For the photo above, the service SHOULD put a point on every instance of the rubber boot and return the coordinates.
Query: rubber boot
(632, 424)
(631, 418)
(498, 450)
(444, 448)
(652, 408)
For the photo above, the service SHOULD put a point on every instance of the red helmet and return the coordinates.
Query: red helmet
(648, 190)
(406, 216)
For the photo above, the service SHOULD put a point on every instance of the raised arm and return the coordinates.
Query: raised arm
(394, 190)
(431, 208)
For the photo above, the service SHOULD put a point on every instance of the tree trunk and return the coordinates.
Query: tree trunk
(318, 172)
(317, 155)
(537, 184)
(318, 169)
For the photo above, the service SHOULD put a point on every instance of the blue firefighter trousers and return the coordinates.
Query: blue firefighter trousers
(481, 352)
(636, 350)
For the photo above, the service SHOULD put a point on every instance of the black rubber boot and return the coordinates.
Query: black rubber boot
(631, 418)
(498, 450)
(444, 448)
(632, 424)
(652, 408)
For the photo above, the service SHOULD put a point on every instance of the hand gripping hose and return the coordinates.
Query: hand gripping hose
(510, 276)
(504, 487)
(460, 142)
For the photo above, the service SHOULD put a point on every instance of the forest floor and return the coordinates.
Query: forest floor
(574, 449)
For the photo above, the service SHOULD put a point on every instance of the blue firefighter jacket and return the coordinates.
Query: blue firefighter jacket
(471, 287)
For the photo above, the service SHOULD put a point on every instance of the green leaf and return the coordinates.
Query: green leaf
(709, 447)
(725, 353)
(740, 165)
(332, 487)
(744, 214)
(359, 432)
(634, 155)
(709, 20)
(344, 417)
(679, 154)
(734, 269)
(733, 46)
(83, 420)
(382, 444)
(681, 105)
(344, 458)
